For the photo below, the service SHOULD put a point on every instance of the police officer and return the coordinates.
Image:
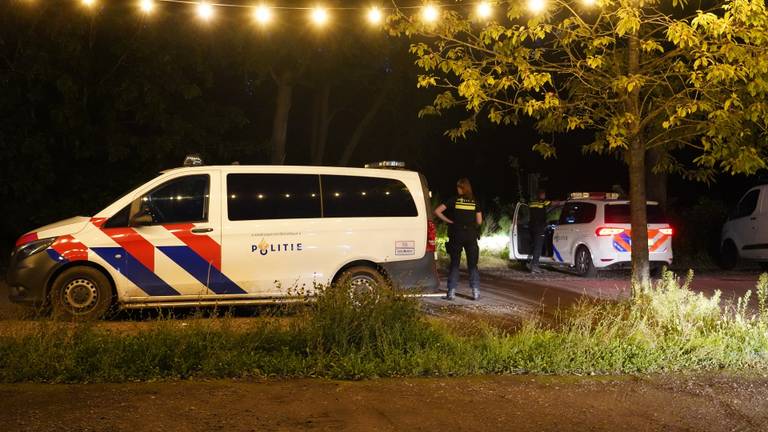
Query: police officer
(463, 219)
(536, 226)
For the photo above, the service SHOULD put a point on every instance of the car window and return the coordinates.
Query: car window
(577, 213)
(273, 196)
(184, 199)
(748, 204)
(355, 196)
(553, 215)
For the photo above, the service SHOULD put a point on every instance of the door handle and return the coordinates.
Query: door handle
(201, 230)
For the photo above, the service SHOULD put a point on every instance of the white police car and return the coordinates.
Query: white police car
(591, 232)
(232, 235)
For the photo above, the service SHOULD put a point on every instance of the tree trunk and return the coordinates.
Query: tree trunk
(637, 200)
(280, 119)
(321, 120)
(656, 182)
(357, 135)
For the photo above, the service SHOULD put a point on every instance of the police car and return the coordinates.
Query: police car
(231, 235)
(591, 232)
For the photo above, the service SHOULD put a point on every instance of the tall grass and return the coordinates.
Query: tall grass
(370, 334)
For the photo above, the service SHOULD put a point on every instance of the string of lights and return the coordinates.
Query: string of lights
(264, 13)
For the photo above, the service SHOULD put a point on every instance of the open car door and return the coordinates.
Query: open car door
(520, 244)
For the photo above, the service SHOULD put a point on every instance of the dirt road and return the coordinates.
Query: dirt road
(520, 293)
(452, 404)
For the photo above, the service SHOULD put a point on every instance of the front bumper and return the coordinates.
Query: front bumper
(28, 278)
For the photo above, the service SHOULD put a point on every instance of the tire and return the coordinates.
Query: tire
(583, 263)
(361, 278)
(729, 255)
(81, 294)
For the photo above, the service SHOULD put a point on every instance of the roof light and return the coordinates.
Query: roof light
(667, 231)
(193, 160)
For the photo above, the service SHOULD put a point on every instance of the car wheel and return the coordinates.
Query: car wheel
(583, 263)
(81, 294)
(729, 255)
(361, 279)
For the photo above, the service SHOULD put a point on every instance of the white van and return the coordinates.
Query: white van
(591, 232)
(232, 235)
(745, 234)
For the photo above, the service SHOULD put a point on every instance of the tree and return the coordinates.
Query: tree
(657, 76)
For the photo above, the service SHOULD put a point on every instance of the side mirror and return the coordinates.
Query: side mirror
(143, 217)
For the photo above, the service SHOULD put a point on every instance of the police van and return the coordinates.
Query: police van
(230, 235)
(744, 236)
(591, 232)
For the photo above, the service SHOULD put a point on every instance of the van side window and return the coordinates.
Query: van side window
(354, 196)
(578, 213)
(748, 204)
(184, 199)
(272, 196)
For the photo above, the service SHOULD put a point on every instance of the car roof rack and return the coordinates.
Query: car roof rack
(594, 195)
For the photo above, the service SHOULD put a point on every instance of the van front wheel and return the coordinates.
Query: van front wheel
(361, 278)
(81, 294)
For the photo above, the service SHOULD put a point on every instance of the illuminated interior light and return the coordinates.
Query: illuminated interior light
(262, 14)
(319, 16)
(430, 13)
(261, 196)
(588, 2)
(205, 11)
(88, 3)
(375, 16)
(147, 6)
(484, 10)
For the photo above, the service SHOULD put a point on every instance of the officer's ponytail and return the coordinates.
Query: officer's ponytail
(466, 188)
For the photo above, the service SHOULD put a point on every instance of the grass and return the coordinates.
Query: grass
(365, 335)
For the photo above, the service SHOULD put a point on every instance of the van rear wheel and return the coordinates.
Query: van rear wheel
(81, 294)
(361, 278)
(584, 265)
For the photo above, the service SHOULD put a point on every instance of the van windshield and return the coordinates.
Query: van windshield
(619, 214)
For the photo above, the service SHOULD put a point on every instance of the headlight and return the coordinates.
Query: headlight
(31, 248)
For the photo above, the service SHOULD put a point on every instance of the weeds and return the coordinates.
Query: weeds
(354, 335)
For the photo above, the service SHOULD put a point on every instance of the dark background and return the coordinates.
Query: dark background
(93, 103)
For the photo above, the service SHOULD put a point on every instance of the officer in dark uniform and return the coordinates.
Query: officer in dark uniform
(464, 219)
(537, 225)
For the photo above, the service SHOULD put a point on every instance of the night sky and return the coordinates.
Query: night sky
(92, 105)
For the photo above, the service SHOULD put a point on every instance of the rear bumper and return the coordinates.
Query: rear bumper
(414, 274)
(622, 265)
(27, 279)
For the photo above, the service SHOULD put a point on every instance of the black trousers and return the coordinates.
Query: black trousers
(458, 240)
(537, 237)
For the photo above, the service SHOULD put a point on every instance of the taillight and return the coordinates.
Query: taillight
(431, 236)
(608, 231)
(666, 231)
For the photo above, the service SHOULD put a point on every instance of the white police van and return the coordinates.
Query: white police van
(230, 235)
(745, 234)
(591, 232)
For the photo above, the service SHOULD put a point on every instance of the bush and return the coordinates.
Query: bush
(346, 334)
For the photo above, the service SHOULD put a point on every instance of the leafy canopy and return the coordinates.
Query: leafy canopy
(702, 76)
